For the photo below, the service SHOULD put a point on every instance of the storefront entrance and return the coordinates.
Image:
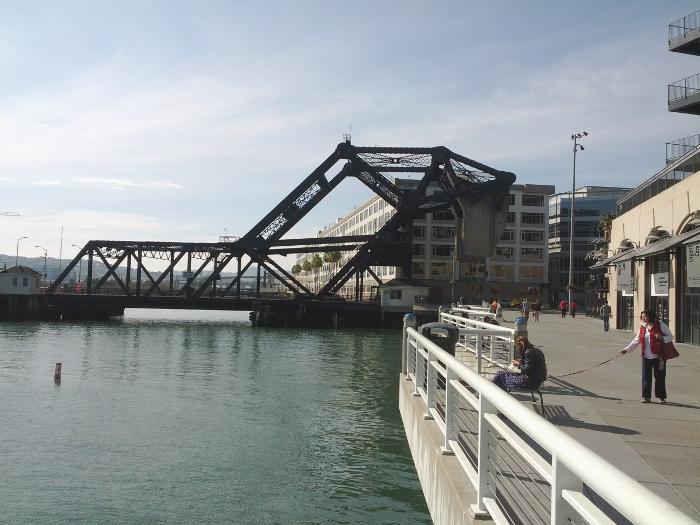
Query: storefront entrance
(625, 312)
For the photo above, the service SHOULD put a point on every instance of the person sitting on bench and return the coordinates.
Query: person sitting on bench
(533, 369)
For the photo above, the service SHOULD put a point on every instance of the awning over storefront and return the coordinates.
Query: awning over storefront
(657, 247)
(610, 260)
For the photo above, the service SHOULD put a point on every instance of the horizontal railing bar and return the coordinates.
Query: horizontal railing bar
(586, 508)
(536, 461)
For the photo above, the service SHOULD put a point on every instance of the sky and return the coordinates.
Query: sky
(183, 121)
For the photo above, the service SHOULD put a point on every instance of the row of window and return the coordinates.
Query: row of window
(526, 254)
(527, 199)
(438, 232)
(525, 235)
(526, 218)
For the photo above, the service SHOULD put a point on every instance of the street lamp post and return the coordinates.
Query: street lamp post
(17, 252)
(575, 137)
(45, 254)
(80, 262)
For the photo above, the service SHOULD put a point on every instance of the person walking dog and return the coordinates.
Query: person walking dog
(651, 336)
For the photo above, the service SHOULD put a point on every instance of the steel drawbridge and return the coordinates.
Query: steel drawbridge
(449, 181)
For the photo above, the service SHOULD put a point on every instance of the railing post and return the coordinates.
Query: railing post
(430, 384)
(478, 353)
(419, 373)
(409, 321)
(486, 443)
(562, 479)
(450, 410)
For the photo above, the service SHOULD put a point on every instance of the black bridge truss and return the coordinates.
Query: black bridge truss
(458, 177)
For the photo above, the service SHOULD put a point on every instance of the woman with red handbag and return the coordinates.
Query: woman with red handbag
(653, 333)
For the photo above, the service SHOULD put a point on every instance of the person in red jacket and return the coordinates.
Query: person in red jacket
(652, 333)
(573, 308)
(563, 305)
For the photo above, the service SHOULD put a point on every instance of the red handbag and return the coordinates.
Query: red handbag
(668, 351)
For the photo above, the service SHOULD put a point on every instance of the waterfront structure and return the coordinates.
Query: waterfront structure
(19, 280)
(592, 204)
(517, 267)
(655, 235)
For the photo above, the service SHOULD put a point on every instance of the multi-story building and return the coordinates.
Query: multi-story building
(657, 232)
(592, 203)
(517, 268)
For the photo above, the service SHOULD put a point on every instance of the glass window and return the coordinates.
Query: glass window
(504, 253)
(442, 250)
(419, 249)
(533, 200)
(440, 269)
(532, 235)
(395, 294)
(532, 218)
(14, 281)
(443, 215)
(419, 232)
(532, 254)
(443, 232)
(508, 235)
(418, 269)
(25, 281)
(511, 199)
(501, 271)
(511, 217)
(532, 273)
(473, 270)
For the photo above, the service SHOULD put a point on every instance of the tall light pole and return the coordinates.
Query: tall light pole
(80, 262)
(45, 254)
(575, 137)
(17, 252)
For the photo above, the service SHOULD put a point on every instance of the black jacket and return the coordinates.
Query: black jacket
(534, 367)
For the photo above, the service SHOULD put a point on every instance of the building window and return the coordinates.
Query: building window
(419, 232)
(501, 271)
(14, 281)
(532, 273)
(531, 254)
(418, 269)
(395, 294)
(504, 253)
(532, 236)
(511, 199)
(508, 235)
(443, 215)
(473, 270)
(532, 218)
(419, 249)
(439, 269)
(25, 281)
(533, 200)
(443, 232)
(443, 250)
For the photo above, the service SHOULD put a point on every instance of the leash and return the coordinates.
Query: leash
(590, 367)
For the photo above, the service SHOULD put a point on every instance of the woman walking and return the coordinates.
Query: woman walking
(533, 369)
(652, 334)
(563, 305)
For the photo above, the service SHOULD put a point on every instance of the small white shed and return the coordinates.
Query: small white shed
(399, 295)
(20, 280)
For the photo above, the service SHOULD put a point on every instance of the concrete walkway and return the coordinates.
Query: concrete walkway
(658, 445)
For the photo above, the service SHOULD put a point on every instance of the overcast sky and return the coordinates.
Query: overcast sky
(166, 120)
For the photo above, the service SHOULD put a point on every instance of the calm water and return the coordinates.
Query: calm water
(185, 417)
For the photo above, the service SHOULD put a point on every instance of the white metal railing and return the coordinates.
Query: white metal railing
(523, 468)
(485, 340)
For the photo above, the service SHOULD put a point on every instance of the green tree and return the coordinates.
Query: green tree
(316, 261)
(296, 269)
(331, 257)
(306, 265)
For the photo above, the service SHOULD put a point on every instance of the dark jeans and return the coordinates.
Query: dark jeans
(659, 368)
(563, 312)
(606, 323)
(573, 312)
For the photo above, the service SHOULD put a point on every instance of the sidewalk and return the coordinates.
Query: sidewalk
(658, 445)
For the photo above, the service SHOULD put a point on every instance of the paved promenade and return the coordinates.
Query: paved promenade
(658, 445)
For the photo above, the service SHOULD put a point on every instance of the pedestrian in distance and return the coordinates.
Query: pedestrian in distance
(525, 309)
(563, 305)
(573, 308)
(605, 315)
(652, 334)
(536, 309)
(532, 365)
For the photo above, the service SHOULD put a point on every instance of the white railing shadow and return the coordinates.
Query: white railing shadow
(523, 468)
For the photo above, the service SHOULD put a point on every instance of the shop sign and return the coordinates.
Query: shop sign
(692, 264)
(659, 284)
(624, 276)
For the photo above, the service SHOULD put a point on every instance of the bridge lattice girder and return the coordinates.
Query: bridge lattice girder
(459, 178)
